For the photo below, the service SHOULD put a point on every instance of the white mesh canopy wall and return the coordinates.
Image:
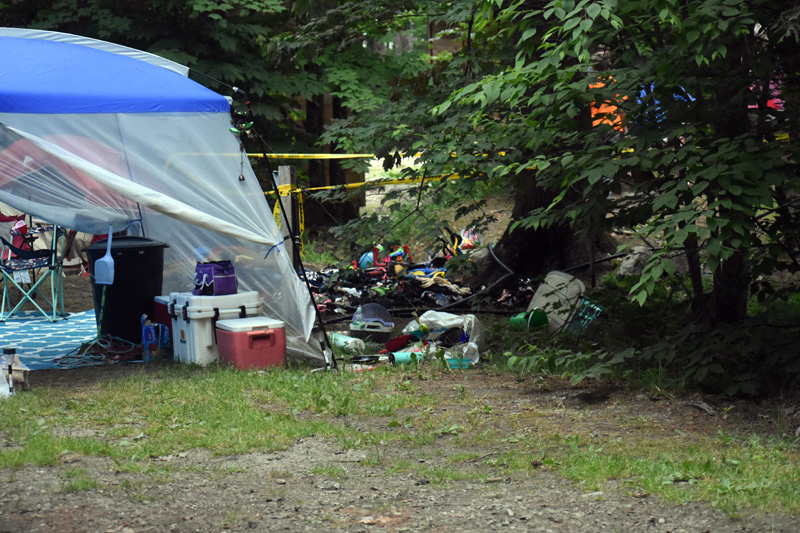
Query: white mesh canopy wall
(92, 136)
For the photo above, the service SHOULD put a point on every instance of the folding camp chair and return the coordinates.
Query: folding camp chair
(19, 269)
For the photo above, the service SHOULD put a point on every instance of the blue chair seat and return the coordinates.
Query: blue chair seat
(16, 263)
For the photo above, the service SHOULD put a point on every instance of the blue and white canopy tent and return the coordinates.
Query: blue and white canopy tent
(94, 134)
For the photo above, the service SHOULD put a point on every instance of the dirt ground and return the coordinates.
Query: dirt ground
(77, 292)
(281, 491)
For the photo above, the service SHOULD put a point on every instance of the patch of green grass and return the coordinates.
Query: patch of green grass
(401, 466)
(135, 418)
(215, 408)
(317, 253)
(372, 459)
(134, 490)
(754, 473)
(777, 309)
(232, 519)
(332, 471)
(78, 480)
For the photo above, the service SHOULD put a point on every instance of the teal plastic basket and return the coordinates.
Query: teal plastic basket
(587, 312)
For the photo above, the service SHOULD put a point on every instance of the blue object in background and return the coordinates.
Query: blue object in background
(366, 261)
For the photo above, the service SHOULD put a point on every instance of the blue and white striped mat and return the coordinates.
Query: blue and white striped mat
(40, 342)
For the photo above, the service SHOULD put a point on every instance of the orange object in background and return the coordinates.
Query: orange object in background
(607, 112)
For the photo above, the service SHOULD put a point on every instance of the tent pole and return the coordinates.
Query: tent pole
(241, 95)
(297, 260)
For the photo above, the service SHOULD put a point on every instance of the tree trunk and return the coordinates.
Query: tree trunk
(529, 252)
(314, 126)
(695, 273)
(732, 277)
(731, 289)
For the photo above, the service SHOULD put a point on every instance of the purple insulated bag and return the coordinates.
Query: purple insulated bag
(215, 278)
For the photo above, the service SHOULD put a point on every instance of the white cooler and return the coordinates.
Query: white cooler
(194, 322)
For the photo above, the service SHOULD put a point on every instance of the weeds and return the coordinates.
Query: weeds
(661, 347)
(432, 435)
(331, 471)
(78, 480)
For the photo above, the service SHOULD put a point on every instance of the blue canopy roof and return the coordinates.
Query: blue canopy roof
(41, 76)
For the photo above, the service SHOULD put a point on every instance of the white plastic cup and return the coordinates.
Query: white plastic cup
(347, 343)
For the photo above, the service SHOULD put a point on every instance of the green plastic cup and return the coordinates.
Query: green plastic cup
(535, 318)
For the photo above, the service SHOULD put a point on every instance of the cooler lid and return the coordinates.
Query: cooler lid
(252, 323)
(225, 301)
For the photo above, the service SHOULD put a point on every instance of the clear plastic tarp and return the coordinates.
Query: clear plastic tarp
(96, 135)
(178, 178)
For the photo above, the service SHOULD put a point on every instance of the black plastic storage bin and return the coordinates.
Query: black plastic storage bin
(138, 275)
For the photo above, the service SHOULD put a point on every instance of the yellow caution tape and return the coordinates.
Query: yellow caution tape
(301, 216)
(276, 212)
(285, 190)
(314, 156)
(301, 222)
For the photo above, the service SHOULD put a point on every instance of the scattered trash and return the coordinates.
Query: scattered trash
(347, 343)
(462, 335)
(470, 239)
(437, 322)
(155, 339)
(383, 279)
(372, 321)
(534, 318)
(398, 343)
(560, 305)
(364, 359)
(587, 312)
(458, 363)
(559, 297)
(404, 358)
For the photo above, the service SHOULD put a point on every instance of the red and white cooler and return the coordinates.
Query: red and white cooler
(252, 343)
(194, 318)
(161, 313)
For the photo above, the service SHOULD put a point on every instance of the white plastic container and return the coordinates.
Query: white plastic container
(347, 343)
(194, 322)
(374, 331)
(559, 296)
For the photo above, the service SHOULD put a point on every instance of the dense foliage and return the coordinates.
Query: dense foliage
(697, 154)
(708, 153)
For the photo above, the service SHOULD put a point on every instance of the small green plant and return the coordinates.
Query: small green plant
(444, 475)
(566, 363)
(659, 382)
(452, 429)
(331, 471)
(78, 480)
(317, 253)
(231, 519)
